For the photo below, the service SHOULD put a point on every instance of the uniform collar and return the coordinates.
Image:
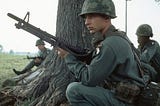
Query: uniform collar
(98, 37)
(110, 31)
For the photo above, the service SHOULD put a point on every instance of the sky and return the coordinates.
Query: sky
(43, 15)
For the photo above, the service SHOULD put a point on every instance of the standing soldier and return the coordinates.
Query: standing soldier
(149, 49)
(42, 54)
(112, 78)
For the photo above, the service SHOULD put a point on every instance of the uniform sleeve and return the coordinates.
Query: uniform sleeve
(39, 54)
(45, 53)
(101, 66)
(148, 53)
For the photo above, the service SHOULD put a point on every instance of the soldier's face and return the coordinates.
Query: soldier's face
(95, 23)
(138, 39)
(142, 40)
(40, 47)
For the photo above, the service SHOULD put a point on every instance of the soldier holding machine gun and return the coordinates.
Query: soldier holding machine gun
(43, 52)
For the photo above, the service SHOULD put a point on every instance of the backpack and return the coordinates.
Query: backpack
(149, 96)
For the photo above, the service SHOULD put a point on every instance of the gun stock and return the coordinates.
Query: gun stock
(80, 53)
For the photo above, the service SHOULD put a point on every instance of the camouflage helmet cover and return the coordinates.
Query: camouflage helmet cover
(105, 7)
(39, 42)
(144, 30)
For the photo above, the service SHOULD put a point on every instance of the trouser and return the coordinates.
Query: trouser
(81, 95)
(30, 66)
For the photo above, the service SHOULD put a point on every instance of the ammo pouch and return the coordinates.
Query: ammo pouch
(149, 96)
(127, 92)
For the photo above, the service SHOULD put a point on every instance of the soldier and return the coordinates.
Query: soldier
(149, 49)
(42, 54)
(112, 78)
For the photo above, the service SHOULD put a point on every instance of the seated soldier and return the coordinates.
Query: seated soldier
(149, 50)
(42, 54)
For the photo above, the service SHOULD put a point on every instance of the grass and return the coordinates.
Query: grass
(8, 62)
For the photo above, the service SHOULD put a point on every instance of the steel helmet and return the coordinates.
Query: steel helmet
(39, 42)
(105, 7)
(144, 30)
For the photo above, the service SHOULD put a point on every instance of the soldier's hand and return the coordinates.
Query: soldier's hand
(62, 53)
(37, 60)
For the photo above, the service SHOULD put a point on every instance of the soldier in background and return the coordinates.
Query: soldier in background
(149, 49)
(113, 77)
(42, 54)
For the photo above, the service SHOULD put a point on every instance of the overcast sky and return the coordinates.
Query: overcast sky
(43, 15)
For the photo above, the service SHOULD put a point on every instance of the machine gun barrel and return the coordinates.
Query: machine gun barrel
(80, 53)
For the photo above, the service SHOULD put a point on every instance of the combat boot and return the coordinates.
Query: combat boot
(18, 72)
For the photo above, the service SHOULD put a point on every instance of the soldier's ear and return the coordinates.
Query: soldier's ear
(106, 17)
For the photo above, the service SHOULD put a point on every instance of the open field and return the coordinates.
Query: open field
(8, 62)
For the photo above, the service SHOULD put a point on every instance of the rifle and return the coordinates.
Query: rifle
(28, 57)
(82, 54)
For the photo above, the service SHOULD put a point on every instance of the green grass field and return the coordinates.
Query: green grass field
(8, 62)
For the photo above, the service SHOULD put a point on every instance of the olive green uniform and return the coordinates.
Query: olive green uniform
(150, 54)
(42, 54)
(113, 62)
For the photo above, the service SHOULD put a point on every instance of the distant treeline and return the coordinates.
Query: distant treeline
(19, 53)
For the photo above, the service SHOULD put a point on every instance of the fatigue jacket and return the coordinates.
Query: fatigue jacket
(43, 53)
(150, 54)
(113, 61)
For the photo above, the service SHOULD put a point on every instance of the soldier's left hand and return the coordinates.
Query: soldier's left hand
(37, 60)
(61, 52)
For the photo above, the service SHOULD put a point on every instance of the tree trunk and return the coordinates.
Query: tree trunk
(69, 25)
